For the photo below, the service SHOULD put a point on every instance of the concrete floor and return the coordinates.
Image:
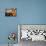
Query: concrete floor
(34, 43)
(7, 45)
(28, 43)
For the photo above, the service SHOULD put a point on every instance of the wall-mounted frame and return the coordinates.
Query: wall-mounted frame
(10, 12)
(36, 32)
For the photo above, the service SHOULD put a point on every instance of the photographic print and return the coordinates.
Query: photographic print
(10, 12)
(33, 32)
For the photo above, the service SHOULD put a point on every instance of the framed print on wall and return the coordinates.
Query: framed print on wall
(10, 12)
(32, 32)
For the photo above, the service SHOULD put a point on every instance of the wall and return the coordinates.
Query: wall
(28, 12)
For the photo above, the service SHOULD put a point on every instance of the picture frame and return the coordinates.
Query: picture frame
(10, 12)
(34, 30)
